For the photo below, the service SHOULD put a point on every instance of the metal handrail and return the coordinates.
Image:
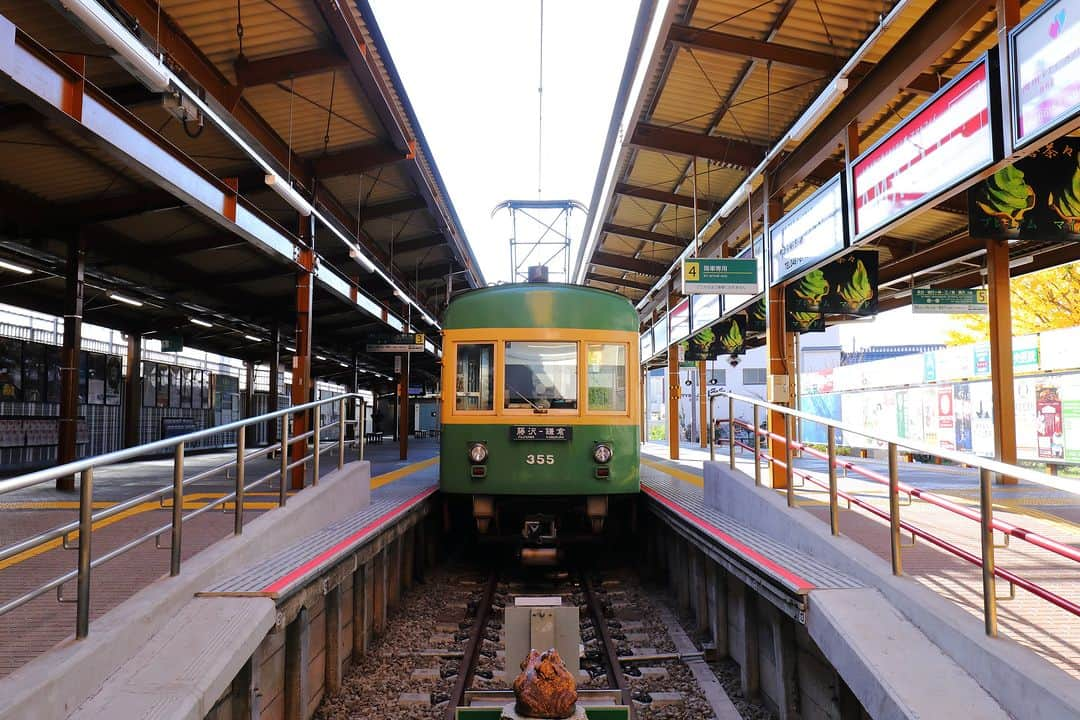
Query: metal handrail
(85, 467)
(987, 469)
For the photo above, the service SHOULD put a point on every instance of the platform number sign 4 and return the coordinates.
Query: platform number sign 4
(693, 270)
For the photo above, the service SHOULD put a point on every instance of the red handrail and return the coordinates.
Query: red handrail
(1006, 575)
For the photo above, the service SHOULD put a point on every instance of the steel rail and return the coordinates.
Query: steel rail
(614, 670)
(472, 648)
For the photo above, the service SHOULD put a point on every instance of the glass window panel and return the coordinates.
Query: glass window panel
(475, 380)
(541, 375)
(607, 376)
(149, 384)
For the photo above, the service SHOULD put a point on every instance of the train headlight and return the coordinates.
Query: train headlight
(602, 453)
(478, 452)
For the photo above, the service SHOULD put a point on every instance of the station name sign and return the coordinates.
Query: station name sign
(401, 343)
(1046, 69)
(813, 231)
(947, 140)
(946, 301)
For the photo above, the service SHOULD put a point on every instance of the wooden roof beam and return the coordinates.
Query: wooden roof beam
(267, 71)
(357, 160)
(942, 26)
(397, 207)
(420, 243)
(661, 196)
(629, 264)
(641, 234)
(718, 42)
(732, 153)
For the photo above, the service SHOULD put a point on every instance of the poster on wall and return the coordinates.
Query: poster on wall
(1027, 442)
(1049, 428)
(10, 369)
(962, 413)
(1035, 198)
(982, 419)
(96, 379)
(1070, 418)
(945, 419)
(113, 379)
(52, 365)
(162, 385)
(33, 372)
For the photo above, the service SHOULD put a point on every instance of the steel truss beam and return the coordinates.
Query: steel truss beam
(596, 277)
(358, 160)
(641, 234)
(621, 262)
(267, 71)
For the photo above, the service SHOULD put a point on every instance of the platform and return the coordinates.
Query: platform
(1032, 622)
(43, 623)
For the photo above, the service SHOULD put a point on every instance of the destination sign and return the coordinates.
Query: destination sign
(401, 343)
(557, 433)
(719, 275)
(1046, 85)
(948, 302)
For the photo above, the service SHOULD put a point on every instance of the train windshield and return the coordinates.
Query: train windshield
(475, 380)
(541, 376)
(607, 377)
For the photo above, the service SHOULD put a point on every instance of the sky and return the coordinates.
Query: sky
(471, 71)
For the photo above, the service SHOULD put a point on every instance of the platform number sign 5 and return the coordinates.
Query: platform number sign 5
(531, 459)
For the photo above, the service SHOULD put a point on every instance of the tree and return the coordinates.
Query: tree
(1041, 300)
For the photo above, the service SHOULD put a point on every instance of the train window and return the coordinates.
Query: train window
(475, 380)
(541, 376)
(607, 377)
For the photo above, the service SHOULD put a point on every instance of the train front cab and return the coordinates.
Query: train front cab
(540, 428)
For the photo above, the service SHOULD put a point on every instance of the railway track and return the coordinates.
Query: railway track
(445, 647)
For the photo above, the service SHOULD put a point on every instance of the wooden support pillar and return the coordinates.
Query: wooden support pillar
(249, 401)
(674, 393)
(778, 347)
(274, 361)
(133, 399)
(703, 394)
(67, 450)
(403, 408)
(379, 593)
(333, 656)
(301, 367)
(1001, 362)
(296, 666)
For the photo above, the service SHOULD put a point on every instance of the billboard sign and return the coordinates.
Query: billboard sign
(947, 140)
(815, 230)
(1046, 70)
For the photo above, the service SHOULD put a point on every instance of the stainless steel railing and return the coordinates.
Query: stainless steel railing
(897, 525)
(83, 527)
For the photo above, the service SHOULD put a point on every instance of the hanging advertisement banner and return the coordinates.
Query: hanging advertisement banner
(727, 337)
(1035, 198)
(946, 141)
(853, 284)
(1046, 70)
(756, 316)
(813, 231)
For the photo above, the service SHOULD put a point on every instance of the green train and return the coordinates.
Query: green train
(541, 411)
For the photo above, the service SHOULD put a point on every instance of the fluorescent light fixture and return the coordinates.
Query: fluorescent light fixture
(319, 357)
(813, 114)
(252, 338)
(288, 193)
(202, 323)
(15, 268)
(401, 293)
(344, 365)
(133, 54)
(356, 254)
(125, 299)
(290, 349)
(1018, 262)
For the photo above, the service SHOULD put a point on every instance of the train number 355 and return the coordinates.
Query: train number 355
(539, 459)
